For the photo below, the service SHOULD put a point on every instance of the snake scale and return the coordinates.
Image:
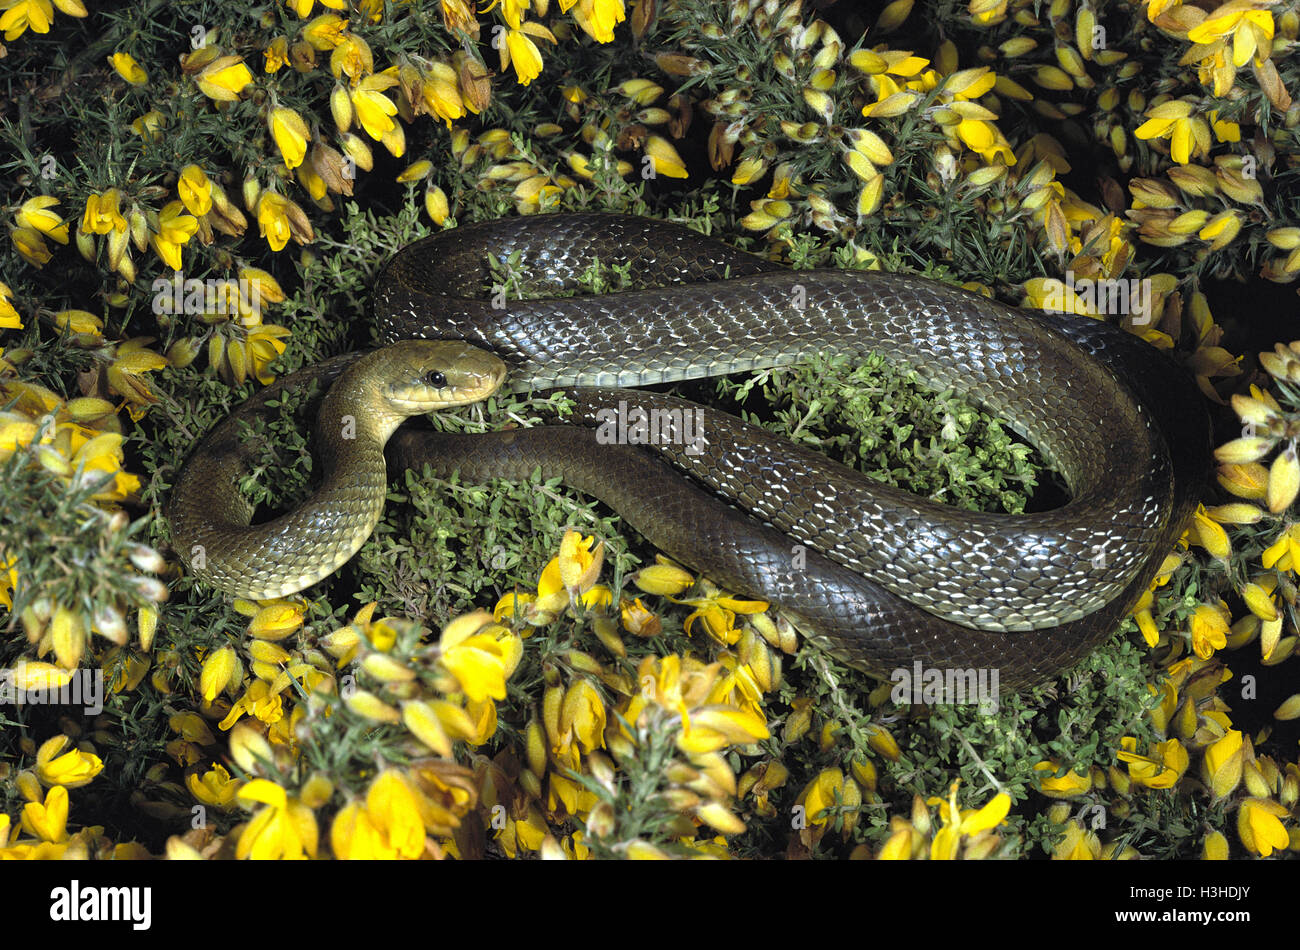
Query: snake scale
(879, 577)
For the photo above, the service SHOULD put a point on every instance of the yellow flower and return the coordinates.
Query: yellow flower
(456, 15)
(393, 809)
(35, 213)
(480, 654)
(273, 220)
(666, 160)
(9, 318)
(1259, 826)
(1209, 629)
(175, 228)
(374, 110)
(988, 817)
(988, 12)
(22, 14)
(521, 52)
(824, 793)
(892, 97)
(1066, 786)
(354, 837)
(224, 78)
(276, 54)
(214, 787)
(148, 125)
(1161, 770)
(985, 139)
(131, 360)
(71, 769)
(435, 204)
(290, 134)
(219, 671)
(1222, 765)
(1224, 130)
(638, 619)
(441, 94)
(284, 830)
(195, 190)
(265, 345)
(582, 716)
(1284, 552)
(31, 246)
(578, 564)
(716, 611)
(1077, 845)
(259, 700)
(1209, 534)
(1249, 28)
(597, 18)
(576, 799)
(128, 68)
(711, 728)
(102, 215)
(325, 32)
(353, 57)
(1189, 134)
(512, 11)
(526, 833)
(48, 820)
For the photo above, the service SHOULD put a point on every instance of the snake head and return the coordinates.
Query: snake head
(417, 376)
(383, 388)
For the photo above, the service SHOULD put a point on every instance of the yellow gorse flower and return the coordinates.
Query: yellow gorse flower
(276, 54)
(393, 810)
(352, 57)
(285, 829)
(1188, 134)
(128, 68)
(1162, 769)
(175, 228)
(224, 78)
(195, 190)
(597, 18)
(273, 219)
(521, 52)
(71, 769)
(36, 214)
(374, 110)
(48, 820)
(23, 14)
(130, 361)
(290, 134)
(1260, 828)
(214, 787)
(1069, 785)
(325, 32)
(102, 215)
(1209, 629)
(480, 654)
(1249, 28)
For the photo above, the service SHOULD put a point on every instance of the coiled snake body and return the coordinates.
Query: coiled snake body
(880, 577)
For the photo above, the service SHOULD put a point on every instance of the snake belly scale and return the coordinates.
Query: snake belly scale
(889, 579)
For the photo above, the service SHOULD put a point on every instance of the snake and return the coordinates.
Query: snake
(880, 578)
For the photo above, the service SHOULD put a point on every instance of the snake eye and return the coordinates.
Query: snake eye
(435, 379)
